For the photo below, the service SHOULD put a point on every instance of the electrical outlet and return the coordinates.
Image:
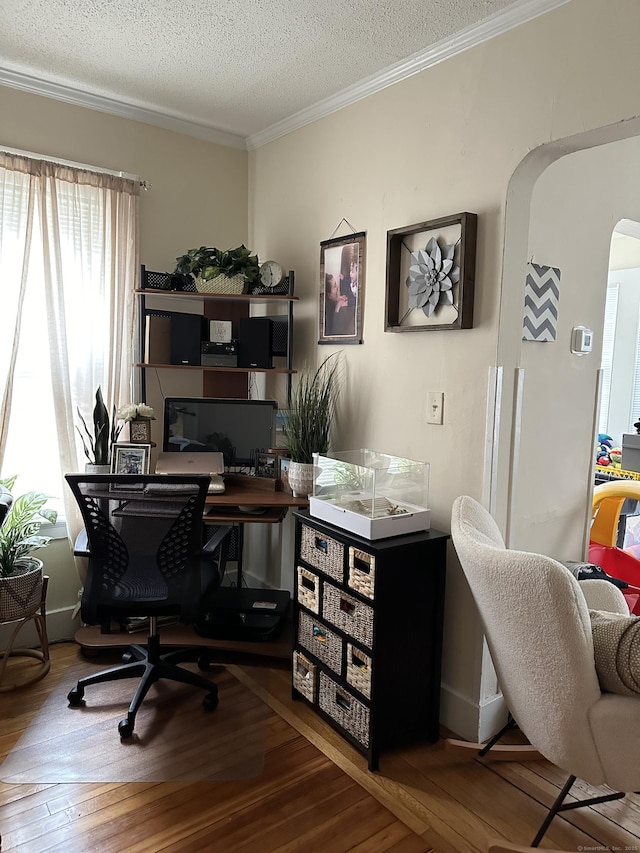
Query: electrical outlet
(435, 401)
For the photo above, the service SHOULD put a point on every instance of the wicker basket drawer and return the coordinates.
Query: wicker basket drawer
(351, 714)
(320, 641)
(308, 590)
(304, 676)
(359, 670)
(362, 572)
(322, 552)
(347, 613)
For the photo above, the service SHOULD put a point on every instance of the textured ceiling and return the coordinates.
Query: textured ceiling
(239, 66)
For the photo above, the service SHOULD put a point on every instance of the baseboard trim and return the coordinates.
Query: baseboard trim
(468, 719)
(61, 625)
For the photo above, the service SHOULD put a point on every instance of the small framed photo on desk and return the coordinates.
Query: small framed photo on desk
(283, 475)
(267, 465)
(130, 459)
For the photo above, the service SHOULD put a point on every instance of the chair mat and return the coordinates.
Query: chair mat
(175, 738)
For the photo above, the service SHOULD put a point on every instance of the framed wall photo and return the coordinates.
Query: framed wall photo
(342, 273)
(131, 459)
(431, 275)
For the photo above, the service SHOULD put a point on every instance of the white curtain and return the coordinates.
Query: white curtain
(79, 229)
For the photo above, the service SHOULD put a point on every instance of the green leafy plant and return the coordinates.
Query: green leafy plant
(97, 444)
(307, 423)
(207, 263)
(19, 531)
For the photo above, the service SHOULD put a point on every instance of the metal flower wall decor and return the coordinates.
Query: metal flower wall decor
(432, 275)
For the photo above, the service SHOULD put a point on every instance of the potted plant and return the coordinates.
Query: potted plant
(20, 572)
(216, 271)
(307, 423)
(139, 417)
(97, 444)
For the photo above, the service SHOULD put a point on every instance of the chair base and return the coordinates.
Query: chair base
(508, 752)
(499, 751)
(150, 666)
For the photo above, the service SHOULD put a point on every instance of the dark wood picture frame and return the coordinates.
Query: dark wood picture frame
(267, 465)
(342, 274)
(459, 230)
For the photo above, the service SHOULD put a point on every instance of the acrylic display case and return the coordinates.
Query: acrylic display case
(371, 494)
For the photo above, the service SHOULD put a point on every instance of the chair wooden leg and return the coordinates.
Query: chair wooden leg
(499, 752)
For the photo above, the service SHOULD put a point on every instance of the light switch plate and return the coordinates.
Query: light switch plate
(435, 402)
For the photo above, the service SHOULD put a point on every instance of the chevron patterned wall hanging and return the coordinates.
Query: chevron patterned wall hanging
(541, 297)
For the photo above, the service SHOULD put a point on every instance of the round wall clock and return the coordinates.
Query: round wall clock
(270, 274)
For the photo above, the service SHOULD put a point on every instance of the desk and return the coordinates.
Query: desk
(271, 507)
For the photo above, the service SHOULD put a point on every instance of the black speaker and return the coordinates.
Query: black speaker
(187, 332)
(254, 342)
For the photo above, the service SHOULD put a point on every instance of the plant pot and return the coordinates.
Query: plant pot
(301, 478)
(234, 284)
(90, 468)
(21, 592)
(140, 431)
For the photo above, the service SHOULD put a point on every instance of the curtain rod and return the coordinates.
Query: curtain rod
(144, 184)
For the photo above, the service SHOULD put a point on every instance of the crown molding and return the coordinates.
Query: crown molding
(518, 13)
(501, 22)
(80, 98)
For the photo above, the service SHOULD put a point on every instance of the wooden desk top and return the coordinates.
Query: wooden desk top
(270, 506)
(234, 495)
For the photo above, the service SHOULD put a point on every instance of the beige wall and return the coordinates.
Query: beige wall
(199, 196)
(467, 134)
(447, 140)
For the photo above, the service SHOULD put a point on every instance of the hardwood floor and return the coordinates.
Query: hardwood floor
(315, 794)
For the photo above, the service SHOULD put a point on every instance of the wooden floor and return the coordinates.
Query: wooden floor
(315, 794)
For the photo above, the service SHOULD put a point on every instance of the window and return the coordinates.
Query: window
(68, 261)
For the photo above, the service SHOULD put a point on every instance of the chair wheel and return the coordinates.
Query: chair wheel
(204, 662)
(210, 702)
(125, 728)
(74, 697)
(128, 657)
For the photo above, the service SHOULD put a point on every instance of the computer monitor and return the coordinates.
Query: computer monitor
(238, 428)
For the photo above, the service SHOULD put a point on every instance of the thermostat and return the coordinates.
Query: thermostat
(581, 340)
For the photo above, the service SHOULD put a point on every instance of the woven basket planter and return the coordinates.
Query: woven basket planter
(221, 284)
(20, 594)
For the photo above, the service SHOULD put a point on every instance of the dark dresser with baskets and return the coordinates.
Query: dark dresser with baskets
(368, 620)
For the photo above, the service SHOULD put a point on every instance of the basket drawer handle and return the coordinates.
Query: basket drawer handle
(358, 662)
(321, 545)
(347, 606)
(319, 634)
(343, 702)
(361, 565)
(307, 583)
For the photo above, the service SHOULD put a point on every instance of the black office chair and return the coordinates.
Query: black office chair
(146, 559)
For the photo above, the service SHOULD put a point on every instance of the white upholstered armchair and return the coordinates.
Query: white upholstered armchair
(536, 620)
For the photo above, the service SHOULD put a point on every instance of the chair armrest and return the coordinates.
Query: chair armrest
(218, 537)
(603, 595)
